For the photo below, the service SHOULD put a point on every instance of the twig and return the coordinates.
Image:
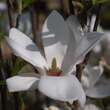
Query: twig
(3, 91)
(16, 101)
(35, 27)
(34, 21)
(11, 23)
(17, 20)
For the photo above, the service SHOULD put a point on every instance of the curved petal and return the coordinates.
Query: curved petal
(75, 36)
(23, 47)
(93, 74)
(80, 43)
(55, 37)
(22, 83)
(100, 90)
(63, 88)
(86, 44)
(75, 27)
(67, 61)
(91, 107)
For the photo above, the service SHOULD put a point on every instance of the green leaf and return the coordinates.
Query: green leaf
(18, 66)
(27, 68)
(19, 6)
(26, 3)
(2, 82)
(78, 4)
(95, 2)
(2, 36)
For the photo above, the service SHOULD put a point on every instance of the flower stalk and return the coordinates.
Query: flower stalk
(3, 91)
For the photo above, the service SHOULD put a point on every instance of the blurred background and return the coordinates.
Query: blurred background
(29, 16)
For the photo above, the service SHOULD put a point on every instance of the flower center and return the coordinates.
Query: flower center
(54, 70)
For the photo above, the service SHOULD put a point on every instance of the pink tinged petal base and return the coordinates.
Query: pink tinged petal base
(63, 88)
(101, 89)
(22, 83)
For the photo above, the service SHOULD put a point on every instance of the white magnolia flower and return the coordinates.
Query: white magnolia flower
(52, 107)
(91, 75)
(64, 44)
(3, 6)
(91, 107)
(95, 83)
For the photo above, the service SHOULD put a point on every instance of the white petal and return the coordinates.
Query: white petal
(74, 38)
(20, 37)
(63, 88)
(86, 44)
(101, 89)
(22, 83)
(52, 107)
(55, 37)
(93, 73)
(3, 6)
(97, 48)
(92, 23)
(75, 27)
(81, 49)
(79, 44)
(91, 107)
(67, 61)
(23, 47)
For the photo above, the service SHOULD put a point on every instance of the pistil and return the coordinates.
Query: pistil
(54, 70)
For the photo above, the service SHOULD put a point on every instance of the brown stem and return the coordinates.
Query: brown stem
(3, 91)
(11, 23)
(17, 20)
(35, 28)
(34, 24)
(79, 70)
(85, 61)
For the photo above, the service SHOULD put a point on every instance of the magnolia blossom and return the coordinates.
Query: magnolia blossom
(96, 85)
(3, 6)
(91, 107)
(64, 44)
(52, 107)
